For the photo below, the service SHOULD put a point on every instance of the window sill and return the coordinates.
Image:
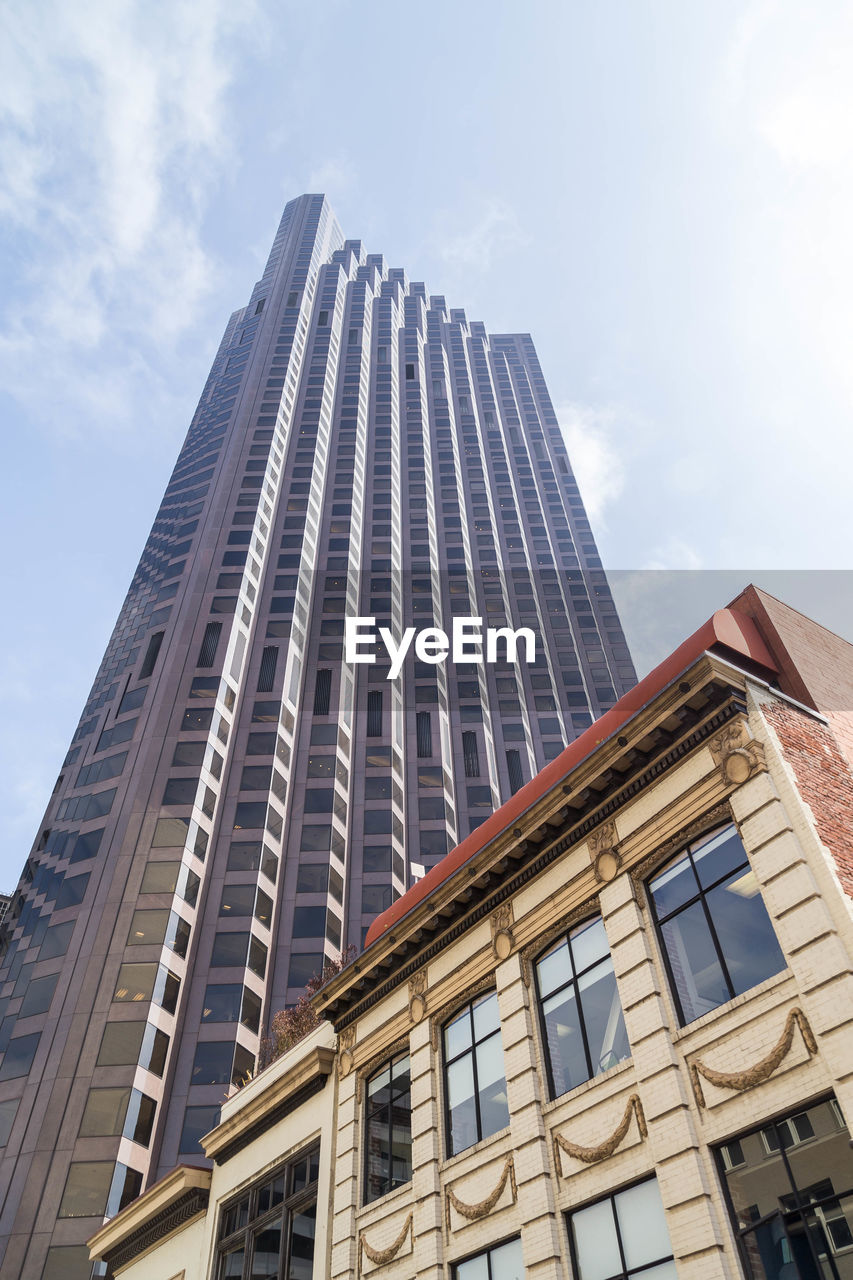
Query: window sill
(593, 1082)
(384, 1204)
(483, 1145)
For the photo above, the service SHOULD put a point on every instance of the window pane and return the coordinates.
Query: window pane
(474, 1269)
(506, 1260)
(104, 1113)
(67, 1262)
(589, 943)
(160, 877)
(56, 940)
(18, 1057)
(673, 886)
(147, 928)
(86, 1189)
(38, 996)
(564, 1042)
(267, 1247)
(596, 1244)
(212, 1063)
(494, 1110)
(695, 968)
(135, 982)
(229, 949)
(486, 1016)
(457, 1034)
(121, 1044)
(197, 1122)
(222, 1002)
(554, 969)
(460, 1102)
(745, 933)
(602, 1014)
(642, 1224)
(302, 1244)
(720, 853)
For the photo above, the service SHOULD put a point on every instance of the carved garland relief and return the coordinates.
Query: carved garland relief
(761, 1070)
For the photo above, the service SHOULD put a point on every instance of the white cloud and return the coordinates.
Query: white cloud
(597, 460)
(494, 230)
(333, 177)
(787, 102)
(114, 132)
(676, 552)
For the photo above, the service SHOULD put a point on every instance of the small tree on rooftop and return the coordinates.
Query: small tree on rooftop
(289, 1026)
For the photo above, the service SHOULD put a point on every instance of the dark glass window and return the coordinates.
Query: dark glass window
(269, 1230)
(38, 996)
(623, 1236)
(388, 1135)
(474, 1076)
(715, 932)
(323, 692)
(790, 1195)
(213, 1062)
(374, 714)
(209, 644)
(423, 728)
(18, 1057)
(197, 1122)
(222, 1002)
(582, 1024)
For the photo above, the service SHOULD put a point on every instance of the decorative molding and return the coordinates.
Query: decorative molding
(760, 1071)
(719, 816)
(367, 1068)
(380, 1256)
(583, 911)
(501, 921)
(483, 1207)
(418, 996)
(447, 1010)
(170, 1219)
(606, 860)
(592, 1155)
(346, 1048)
(736, 753)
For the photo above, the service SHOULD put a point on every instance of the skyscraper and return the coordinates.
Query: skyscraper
(238, 800)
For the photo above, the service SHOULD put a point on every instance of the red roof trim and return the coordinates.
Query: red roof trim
(732, 630)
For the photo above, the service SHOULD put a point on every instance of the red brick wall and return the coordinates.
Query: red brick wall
(824, 779)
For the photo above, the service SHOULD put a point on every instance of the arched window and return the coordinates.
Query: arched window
(474, 1074)
(715, 932)
(582, 1024)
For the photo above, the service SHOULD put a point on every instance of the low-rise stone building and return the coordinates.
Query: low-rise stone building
(609, 1036)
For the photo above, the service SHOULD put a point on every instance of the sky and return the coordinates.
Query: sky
(659, 192)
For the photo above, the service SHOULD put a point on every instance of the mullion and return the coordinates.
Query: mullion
(801, 1208)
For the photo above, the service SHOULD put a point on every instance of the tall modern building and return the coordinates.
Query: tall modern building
(239, 802)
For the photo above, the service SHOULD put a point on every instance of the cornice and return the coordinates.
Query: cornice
(169, 1204)
(307, 1077)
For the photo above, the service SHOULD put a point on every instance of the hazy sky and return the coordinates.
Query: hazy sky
(659, 191)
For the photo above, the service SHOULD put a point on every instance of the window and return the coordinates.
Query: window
(582, 1025)
(388, 1132)
(18, 1057)
(790, 1194)
(623, 1236)
(197, 1122)
(504, 1262)
(475, 1083)
(715, 932)
(269, 1230)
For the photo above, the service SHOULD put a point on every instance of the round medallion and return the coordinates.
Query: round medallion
(417, 1008)
(607, 865)
(345, 1063)
(503, 944)
(738, 765)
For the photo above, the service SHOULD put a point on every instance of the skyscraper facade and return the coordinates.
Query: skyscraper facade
(239, 801)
